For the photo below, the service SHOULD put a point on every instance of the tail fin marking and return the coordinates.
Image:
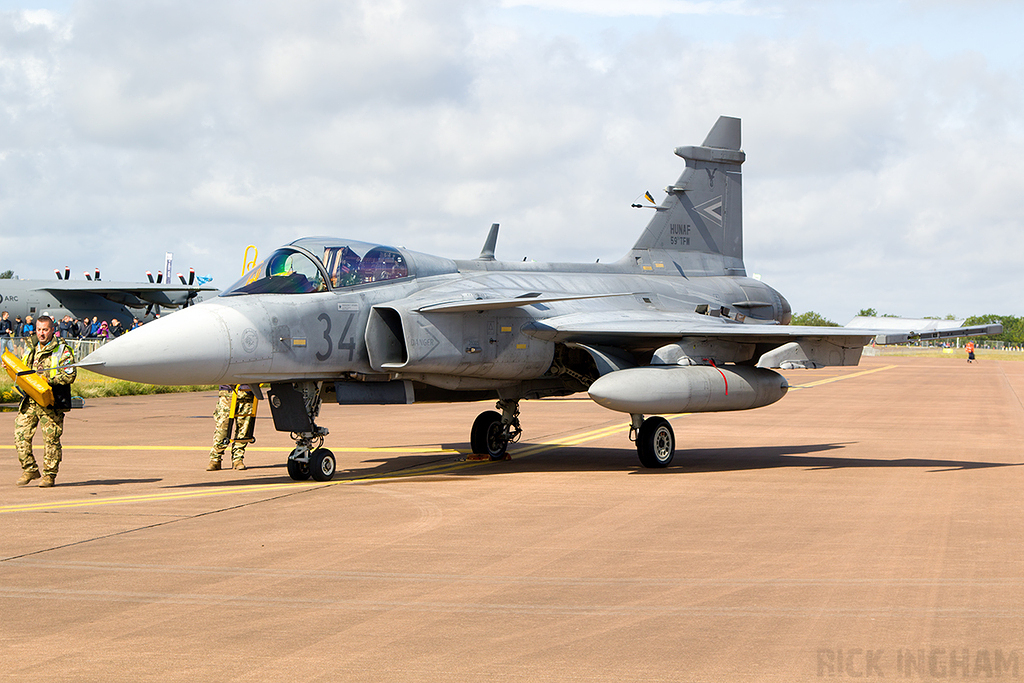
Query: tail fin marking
(699, 227)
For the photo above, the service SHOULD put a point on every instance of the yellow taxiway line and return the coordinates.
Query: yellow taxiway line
(149, 497)
(808, 385)
(423, 470)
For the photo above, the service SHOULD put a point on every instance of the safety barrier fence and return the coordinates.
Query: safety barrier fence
(81, 347)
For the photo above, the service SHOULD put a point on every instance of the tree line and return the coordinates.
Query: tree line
(1013, 327)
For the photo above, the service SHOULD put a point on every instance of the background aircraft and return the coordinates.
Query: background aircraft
(94, 297)
(673, 326)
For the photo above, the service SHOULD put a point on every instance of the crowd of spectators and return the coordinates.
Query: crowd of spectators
(67, 327)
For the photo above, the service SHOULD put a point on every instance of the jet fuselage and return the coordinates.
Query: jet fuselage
(460, 326)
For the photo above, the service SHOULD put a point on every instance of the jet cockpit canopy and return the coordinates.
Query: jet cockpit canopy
(357, 263)
(319, 265)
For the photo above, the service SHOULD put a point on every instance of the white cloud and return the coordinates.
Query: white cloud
(648, 8)
(877, 175)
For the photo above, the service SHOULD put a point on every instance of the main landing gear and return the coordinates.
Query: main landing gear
(655, 440)
(492, 432)
(295, 407)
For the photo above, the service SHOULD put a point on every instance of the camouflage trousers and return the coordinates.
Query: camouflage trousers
(244, 424)
(25, 426)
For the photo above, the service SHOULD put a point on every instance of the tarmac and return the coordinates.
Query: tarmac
(866, 526)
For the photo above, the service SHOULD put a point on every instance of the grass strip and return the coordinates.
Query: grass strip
(91, 385)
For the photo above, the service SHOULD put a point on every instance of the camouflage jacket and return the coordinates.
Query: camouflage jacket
(44, 359)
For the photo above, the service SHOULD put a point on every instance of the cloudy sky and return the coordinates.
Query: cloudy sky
(883, 139)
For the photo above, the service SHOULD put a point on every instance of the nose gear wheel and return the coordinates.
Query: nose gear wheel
(309, 458)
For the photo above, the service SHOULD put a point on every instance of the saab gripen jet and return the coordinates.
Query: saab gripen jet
(93, 297)
(674, 326)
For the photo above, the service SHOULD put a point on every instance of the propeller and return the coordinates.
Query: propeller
(67, 273)
(97, 275)
(87, 276)
(57, 272)
(191, 281)
(172, 302)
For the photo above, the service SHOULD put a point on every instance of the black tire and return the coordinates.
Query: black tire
(656, 443)
(322, 465)
(488, 435)
(299, 471)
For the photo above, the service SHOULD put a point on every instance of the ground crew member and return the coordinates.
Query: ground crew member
(244, 424)
(47, 358)
(970, 352)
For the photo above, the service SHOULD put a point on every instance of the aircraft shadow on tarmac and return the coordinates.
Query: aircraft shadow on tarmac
(804, 456)
(728, 459)
(107, 482)
(591, 459)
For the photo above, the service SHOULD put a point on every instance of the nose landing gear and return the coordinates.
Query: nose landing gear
(310, 459)
(295, 407)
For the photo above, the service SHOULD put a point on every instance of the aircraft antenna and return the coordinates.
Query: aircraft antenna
(487, 253)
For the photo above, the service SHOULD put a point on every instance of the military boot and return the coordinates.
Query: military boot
(213, 466)
(238, 464)
(27, 477)
(47, 481)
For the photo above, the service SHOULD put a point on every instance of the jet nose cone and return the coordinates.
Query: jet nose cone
(187, 347)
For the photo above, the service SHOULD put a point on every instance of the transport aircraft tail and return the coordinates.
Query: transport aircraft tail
(698, 229)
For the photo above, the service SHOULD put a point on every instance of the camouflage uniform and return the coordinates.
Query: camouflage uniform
(30, 413)
(244, 424)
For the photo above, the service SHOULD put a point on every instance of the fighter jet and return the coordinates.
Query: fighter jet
(93, 297)
(673, 326)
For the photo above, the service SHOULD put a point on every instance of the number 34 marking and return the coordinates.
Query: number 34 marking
(343, 345)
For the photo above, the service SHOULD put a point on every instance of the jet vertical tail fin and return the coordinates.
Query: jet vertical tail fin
(699, 226)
